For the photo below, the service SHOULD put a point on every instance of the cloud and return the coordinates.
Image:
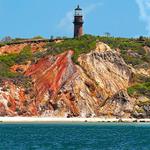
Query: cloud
(91, 8)
(144, 10)
(66, 22)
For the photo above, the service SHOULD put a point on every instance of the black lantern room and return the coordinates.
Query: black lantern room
(78, 11)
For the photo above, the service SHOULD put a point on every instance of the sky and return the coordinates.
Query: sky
(30, 18)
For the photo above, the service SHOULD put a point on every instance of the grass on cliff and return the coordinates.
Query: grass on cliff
(86, 43)
(140, 89)
(141, 86)
(81, 45)
(6, 61)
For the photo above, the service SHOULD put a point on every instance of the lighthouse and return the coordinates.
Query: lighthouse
(78, 22)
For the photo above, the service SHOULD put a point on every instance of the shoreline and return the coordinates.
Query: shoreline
(54, 119)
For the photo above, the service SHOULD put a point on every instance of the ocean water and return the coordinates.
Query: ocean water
(78, 136)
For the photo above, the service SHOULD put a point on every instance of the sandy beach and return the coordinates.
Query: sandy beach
(50, 119)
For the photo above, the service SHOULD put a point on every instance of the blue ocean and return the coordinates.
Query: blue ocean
(77, 136)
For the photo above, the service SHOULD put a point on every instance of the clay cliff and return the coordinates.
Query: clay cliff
(95, 86)
(16, 48)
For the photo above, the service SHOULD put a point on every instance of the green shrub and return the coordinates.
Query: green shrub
(146, 58)
(5, 71)
(38, 37)
(86, 43)
(6, 61)
(140, 89)
(132, 60)
(131, 90)
(2, 44)
(80, 45)
(24, 55)
(9, 59)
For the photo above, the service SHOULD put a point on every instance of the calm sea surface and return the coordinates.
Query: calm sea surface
(78, 136)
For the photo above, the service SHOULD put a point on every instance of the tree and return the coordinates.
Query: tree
(107, 34)
(6, 39)
(141, 38)
(52, 37)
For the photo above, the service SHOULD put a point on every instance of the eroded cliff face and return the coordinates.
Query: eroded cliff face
(95, 87)
(15, 101)
(112, 76)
